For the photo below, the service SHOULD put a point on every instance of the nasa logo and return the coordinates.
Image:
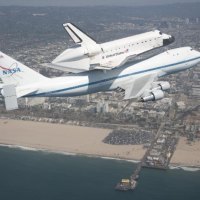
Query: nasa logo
(10, 71)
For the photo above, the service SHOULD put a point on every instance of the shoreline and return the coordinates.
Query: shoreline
(25, 148)
(172, 166)
(84, 141)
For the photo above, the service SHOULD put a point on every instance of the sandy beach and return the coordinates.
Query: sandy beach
(187, 154)
(65, 138)
(84, 141)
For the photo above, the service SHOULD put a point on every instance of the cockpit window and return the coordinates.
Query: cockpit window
(160, 33)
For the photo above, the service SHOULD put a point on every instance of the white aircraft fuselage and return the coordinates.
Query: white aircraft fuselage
(169, 62)
(135, 81)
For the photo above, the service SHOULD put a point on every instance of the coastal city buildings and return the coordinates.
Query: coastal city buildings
(139, 122)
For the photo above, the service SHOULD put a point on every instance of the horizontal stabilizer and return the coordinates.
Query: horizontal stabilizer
(77, 35)
(10, 96)
(25, 91)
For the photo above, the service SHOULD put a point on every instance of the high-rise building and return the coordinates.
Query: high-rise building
(187, 21)
(102, 107)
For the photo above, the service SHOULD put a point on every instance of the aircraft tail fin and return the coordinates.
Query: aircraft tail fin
(77, 35)
(14, 72)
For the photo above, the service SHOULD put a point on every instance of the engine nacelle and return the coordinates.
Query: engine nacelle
(92, 50)
(161, 86)
(153, 96)
(164, 86)
(70, 55)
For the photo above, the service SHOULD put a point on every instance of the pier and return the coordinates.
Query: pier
(157, 156)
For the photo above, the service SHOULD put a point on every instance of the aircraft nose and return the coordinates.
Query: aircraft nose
(169, 40)
(197, 56)
(194, 51)
(172, 39)
(198, 53)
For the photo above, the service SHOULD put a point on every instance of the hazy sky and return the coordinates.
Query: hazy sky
(88, 2)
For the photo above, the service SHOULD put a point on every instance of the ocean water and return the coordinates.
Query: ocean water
(36, 175)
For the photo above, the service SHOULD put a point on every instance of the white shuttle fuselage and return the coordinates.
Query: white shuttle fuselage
(89, 55)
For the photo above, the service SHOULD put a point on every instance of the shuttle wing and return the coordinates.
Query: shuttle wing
(117, 62)
(61, 67)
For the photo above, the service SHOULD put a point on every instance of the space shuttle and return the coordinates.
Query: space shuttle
(88, 55)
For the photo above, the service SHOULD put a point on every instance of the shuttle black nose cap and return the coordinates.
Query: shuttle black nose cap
(172, 39)
(168, 41)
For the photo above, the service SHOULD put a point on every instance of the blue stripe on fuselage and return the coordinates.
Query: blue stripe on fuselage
(112, 78)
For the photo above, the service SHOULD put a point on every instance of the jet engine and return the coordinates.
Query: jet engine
(77, 59)
(156, 93)
(161, 86)
(153, 96)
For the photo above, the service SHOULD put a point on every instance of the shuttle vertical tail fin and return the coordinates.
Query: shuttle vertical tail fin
(77, 35)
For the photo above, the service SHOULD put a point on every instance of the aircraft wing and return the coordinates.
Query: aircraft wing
(122, 59)
(133, 89)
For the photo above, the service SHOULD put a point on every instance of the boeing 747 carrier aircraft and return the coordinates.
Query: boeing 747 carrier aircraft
(136, 81)
(88, 54)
